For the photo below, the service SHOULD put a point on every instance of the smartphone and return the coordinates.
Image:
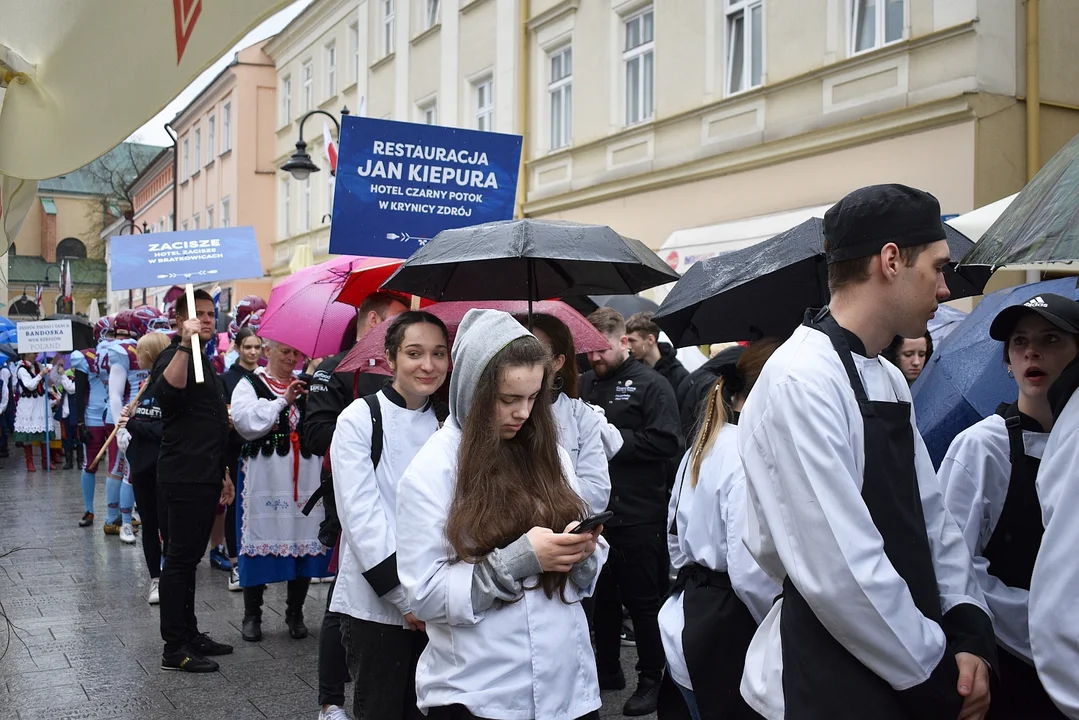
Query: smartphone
(592, 522)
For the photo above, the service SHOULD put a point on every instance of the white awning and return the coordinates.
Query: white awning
(685, 247)
(974, 223)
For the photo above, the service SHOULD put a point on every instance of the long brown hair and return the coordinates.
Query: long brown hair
(507, 487)
(561, 344)
(735, 384)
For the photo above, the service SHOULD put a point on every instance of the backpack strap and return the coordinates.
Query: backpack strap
(1012, 421)
(376, 428)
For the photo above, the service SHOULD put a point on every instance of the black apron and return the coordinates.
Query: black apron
(821, 679)
(1011, 552)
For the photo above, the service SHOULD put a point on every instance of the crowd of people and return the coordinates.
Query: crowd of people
(497, 520)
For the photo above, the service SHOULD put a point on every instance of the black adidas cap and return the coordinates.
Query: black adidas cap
(1057, 309)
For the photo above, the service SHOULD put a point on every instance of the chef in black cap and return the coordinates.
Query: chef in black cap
(881, 615)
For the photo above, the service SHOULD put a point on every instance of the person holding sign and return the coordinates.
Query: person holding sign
(32, 412)
(192, 481)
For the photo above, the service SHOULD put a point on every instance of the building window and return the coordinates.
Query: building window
(354, 45)
(225, 221)
(745, 51)
(286, 100)
(560, 92)
(388, 27)
(209, 218)
(184, 167)
(195, 221)
(226, 128)
(331, 69)
(286, 209)
(308, 86)
(485, 104)
(638, 59)
(875, 23)
(433, 6)
(198, 148)
(429, 113)
(307, 203)
(211, 138)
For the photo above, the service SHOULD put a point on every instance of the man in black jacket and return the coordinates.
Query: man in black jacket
(641, 404)
(643, 335)
(191, 481)
(330, 393)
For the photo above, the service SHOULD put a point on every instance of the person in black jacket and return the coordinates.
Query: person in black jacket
(641, 404)
(693, 394)
(143, 428)
(329, 393)
(643, 335)
(191, 481)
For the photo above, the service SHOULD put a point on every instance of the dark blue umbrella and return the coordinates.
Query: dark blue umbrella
(966, 379)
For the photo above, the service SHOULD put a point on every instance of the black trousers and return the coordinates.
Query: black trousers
(145, 486)
(635, 576)
(188, 511)
(332, 659)
(460, 712)
(383, 661)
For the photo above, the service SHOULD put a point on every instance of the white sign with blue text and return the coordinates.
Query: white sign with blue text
(190, 256)
(400, 184)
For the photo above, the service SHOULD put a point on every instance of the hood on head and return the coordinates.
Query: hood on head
(481, 335)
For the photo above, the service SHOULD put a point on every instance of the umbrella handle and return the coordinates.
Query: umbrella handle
(195, 350)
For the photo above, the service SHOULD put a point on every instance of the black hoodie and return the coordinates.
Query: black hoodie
(670, 367)
(694, 389)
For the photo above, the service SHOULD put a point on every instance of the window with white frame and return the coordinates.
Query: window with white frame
(285, 230)
(226, 127)
(198, 148)
(331, 69)
(286, 99)
(195, 221)
(308, 86)
(209, 218)
(485, 104)
(560, 95)
(429, 113)
(638, 60)
(225, 218)
(211, 138)
(184, 166)
(745, 49)
(306, 218)
(388, 26)
(354, 46)
(433, 7)
(874, 23)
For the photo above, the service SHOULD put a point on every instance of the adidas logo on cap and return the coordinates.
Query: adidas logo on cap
(1036, 303)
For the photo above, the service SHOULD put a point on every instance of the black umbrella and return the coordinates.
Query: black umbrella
(764, 290)
(627, 305)
(529, 260)
(82, 332)
(9, 351)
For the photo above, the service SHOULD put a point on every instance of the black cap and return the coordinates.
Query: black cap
(869, 218)
(1061, 311)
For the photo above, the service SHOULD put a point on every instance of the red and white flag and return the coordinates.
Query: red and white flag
(68, 287)
(37, 298)
(331, 147)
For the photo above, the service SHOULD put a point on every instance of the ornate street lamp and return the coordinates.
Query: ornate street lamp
(300, 164)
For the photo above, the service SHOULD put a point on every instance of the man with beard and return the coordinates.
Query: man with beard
(641, 404)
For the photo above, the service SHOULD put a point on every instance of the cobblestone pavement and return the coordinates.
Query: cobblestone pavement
(83, 643)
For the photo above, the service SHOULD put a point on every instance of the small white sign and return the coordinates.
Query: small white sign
(45, 336)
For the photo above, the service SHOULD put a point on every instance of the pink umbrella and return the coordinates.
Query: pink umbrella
(303, 311)
(369, 353)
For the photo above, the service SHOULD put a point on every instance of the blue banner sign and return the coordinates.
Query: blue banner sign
(400, 184)
(191, 256)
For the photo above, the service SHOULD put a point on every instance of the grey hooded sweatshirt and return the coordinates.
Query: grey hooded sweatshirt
(481, 335)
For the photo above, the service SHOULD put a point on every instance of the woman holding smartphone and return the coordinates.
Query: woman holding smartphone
(484, 551)
(375, 440)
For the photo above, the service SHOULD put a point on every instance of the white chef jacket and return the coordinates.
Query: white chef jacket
(584, 433)
(1054, 588)
(528, 659)
(711, 523)
(803, 448)
(974, 477)
(367, 502)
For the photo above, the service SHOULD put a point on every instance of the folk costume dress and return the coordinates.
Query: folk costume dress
(32, 412)
(277, 475)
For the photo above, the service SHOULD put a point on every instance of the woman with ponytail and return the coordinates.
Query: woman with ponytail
(484, 548)
(721, 594)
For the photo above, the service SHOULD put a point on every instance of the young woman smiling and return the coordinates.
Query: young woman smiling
(484, 550)
(988, 477)
(375, 440)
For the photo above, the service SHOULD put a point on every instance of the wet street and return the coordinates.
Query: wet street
(81, 642)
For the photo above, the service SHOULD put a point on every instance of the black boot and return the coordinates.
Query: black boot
(69, 459)
(645, 699)
(297, 594)
(252, 629)
(79, 454)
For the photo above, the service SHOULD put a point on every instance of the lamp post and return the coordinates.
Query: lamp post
(300, 164)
